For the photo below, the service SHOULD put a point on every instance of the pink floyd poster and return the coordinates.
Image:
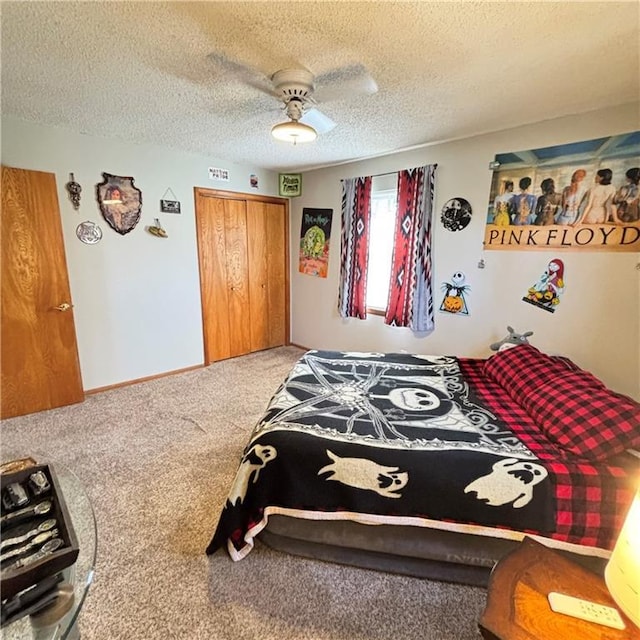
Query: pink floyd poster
(577, 196)
(315, 234)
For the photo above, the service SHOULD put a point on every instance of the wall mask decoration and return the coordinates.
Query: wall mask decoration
(545, 294)
(456, 214)
(454, 301)
(120, 202)
(73, 189)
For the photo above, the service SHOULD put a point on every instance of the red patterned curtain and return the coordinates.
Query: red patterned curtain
(356, 215)
(411, 292)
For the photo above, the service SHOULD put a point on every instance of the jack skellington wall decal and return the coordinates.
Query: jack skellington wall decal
(454, 300)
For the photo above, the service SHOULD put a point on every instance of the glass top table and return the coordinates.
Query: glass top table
(45, 625)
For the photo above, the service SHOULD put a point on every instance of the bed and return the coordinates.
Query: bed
(434, 466)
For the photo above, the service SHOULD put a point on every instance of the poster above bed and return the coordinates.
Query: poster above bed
(582, 195)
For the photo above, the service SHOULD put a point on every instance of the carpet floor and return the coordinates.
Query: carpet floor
(157, 459)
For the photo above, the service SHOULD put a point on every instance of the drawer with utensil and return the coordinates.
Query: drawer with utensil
(37, 538)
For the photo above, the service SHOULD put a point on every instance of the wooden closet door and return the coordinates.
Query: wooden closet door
(213, 275)
(237, 277)
(267, 274)
(244, 277)
(258, 243)
(221, 225)
(277, 280)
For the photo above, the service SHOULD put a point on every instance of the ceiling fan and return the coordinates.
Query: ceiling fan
(300, 91)
(295, 88)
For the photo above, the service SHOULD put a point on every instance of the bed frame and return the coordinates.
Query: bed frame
(448, 556)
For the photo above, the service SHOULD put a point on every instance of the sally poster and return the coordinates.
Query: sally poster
(314, 241)
(582, 195)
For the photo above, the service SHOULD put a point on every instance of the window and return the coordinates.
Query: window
(381, 234)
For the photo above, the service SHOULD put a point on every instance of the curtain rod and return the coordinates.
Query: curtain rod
(391, 173)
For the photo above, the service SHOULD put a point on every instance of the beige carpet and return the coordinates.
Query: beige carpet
(157, 459)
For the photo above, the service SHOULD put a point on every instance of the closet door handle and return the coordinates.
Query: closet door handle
(65, 306)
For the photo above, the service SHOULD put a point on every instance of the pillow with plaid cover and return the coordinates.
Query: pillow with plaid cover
(540, 402)
(522, 369)
(571, 406)
(589, 421)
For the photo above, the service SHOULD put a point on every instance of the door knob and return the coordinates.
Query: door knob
(65, 306)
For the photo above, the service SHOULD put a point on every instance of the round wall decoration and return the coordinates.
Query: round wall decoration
(89, 232)
(456, 214)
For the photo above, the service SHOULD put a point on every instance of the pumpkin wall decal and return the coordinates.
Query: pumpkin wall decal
(453, 304)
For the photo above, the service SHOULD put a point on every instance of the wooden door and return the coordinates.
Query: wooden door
(221, 226)
(258, 243)
(213, 276)
(277, 273)
(39, 363)
(239, 316)
(244, 287)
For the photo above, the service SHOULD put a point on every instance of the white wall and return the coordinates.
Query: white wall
(136, 297)
(597, 323)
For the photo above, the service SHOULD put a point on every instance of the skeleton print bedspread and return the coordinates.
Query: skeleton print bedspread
(386, 438)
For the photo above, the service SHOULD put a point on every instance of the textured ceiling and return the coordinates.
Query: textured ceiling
(193, 75)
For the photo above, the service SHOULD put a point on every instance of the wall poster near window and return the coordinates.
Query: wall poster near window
(582, 195)
(315, 233)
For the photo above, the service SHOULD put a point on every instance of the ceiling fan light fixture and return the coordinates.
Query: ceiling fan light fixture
(294, 132)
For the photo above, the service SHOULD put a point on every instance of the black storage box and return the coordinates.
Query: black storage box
(15, 580)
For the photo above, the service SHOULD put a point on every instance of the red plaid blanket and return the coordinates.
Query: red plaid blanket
(592, 499)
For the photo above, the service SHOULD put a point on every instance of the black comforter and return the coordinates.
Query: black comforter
(390, 438)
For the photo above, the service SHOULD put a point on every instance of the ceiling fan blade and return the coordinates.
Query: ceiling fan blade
(344, 83)
(318, 120)
(228, 68)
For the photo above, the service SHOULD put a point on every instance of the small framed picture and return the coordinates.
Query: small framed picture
(169, 206)
(290, 184)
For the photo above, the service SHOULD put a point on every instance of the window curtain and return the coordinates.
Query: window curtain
(410, 290)
(354, 256)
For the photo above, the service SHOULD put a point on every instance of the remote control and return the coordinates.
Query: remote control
(585, 610)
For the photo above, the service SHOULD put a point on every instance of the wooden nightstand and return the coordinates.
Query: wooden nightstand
(517, 606)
